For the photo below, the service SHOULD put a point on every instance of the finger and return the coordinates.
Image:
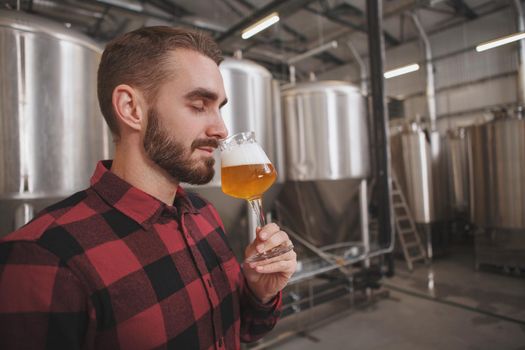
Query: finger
(288, 256)
(287, 266)
(268, 231)
(252, 247)
(276, 239)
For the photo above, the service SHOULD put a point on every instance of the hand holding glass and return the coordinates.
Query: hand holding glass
(246, 173)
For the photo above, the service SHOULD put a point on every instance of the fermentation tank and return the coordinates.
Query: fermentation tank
(412, 165)
(327, 156)
(253, 105)
(458, 170)
(419, 161)
(497, 190)
(326, 131)
(497, 173)
(51, 131)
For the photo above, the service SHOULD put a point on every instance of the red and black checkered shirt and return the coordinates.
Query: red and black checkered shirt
(112, 267)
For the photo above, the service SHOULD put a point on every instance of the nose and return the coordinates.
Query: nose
(218, 128)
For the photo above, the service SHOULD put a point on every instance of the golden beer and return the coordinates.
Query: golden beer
(247, 181)
(247, 173)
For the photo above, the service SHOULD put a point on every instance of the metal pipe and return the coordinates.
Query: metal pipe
(428, 234)
(312, 52)
(362, 67)
(363, 210)
(376, 45)
(283, 7)
(23, 214)
(521, 54)
(292, 60)
(237, 54)
(409, 6)
(462, 85)
(164, 16)
(431, 90)
(291, 69)
(130, 5)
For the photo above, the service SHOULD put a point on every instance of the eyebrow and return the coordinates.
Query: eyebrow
(204, 94)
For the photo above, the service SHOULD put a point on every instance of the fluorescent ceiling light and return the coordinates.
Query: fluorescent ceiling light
(501, 41)
(401, 70)
(260, 25)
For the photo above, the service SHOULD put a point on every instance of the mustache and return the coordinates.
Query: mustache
(204, 143)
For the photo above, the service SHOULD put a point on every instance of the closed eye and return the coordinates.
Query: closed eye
(198, 106)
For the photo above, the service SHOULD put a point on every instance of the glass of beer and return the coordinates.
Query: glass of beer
(246, 173)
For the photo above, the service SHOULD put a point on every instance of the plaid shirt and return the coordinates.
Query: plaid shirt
(112, 267)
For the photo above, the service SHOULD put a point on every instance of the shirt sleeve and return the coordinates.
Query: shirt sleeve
(42, 303)
(257, 318)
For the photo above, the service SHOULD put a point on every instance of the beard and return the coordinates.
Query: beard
(173, 157)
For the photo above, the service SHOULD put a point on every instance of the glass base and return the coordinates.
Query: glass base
(272, 253)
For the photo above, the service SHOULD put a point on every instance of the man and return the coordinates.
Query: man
(135, 262)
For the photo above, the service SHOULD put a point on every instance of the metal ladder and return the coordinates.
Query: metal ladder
(406, 229)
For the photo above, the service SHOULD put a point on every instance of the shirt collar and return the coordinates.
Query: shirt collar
(132, 202)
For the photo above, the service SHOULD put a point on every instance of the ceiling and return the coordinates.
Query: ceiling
(304, 24)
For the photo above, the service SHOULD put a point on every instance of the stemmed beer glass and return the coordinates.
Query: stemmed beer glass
(246, 173)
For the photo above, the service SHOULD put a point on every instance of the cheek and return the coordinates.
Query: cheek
(185, 128)
(188, 129)
(181, 134)
(186, 142)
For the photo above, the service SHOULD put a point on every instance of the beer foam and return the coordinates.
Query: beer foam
(249, 153)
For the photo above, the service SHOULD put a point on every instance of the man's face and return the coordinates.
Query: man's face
(185, 124)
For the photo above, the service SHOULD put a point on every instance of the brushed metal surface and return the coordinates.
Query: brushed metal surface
(497, 173)
(51, 131)
(417, 166)
(458, 169)
(326, 134)
(440, 176)
(10, 218)
(420, 162)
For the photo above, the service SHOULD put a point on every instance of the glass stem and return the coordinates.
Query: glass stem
(256, 205)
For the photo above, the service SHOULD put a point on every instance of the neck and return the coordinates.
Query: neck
(138, 170)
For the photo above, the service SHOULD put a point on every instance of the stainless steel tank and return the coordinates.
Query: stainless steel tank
(52, 133)
(440, 176)
(325, 131)
(419, 162)
(497, 173)
(253, 105)
(458, 169)
(412, 165)
(327, 154)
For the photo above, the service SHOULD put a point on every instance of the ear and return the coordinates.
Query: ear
(129, 107)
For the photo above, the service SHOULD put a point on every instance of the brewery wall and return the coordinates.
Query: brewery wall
(468, 83)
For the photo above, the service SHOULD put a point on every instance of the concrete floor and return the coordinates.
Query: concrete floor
(448, 305)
